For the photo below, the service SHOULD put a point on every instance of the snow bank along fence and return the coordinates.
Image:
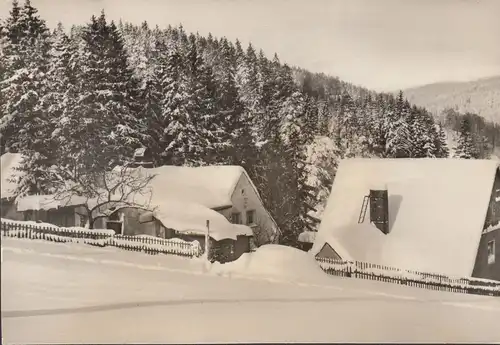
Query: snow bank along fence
(430, 281)
(99, 237)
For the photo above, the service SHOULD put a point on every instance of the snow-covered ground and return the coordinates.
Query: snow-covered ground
(73, 293)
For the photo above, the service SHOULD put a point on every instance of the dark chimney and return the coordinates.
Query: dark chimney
(379, 209)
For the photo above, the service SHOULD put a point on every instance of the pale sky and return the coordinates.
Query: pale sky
(380, 44)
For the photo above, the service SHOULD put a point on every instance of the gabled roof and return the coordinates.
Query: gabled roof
(437, 210)
(210, 186)
(9, 162)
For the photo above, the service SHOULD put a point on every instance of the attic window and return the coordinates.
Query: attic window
(243, 192)
(491, 252)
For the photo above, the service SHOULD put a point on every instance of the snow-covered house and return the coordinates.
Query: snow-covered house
(66, 212)
(43, 208)
(430, 215)
(183, 220)
(227, 190)
(181, 200)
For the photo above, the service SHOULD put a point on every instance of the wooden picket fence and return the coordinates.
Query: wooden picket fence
(102, 238)
(430, 281)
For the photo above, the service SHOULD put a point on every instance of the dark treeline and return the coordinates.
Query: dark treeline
(86, 98)
(483, 135)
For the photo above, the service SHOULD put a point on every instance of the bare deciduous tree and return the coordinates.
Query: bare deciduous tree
(101, 191)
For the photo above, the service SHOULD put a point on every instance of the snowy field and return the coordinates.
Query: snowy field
(72, 293)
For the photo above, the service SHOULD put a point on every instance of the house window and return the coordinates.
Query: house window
(236, 218)
(251, 217)
(242, 192)
(114, 216)
(491, 252)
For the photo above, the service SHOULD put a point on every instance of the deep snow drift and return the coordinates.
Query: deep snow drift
(276, 262)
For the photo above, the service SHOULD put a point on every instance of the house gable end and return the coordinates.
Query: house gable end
(245, 198)
(487, 265)
(328, 252)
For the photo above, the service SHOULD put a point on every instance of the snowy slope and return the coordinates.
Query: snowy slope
(481, 97)
(56, 293)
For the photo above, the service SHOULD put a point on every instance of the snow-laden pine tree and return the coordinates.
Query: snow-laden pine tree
(202, 106)
(100, 125)
(176, 142)
(151, 94)
(396, 129)
(349, 131)
(440, 143)
(250, 93)
(465, 148)
(422, 133)
(233, 137)
(24, 125)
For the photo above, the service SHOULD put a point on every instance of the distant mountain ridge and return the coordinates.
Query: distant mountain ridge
(481, 97)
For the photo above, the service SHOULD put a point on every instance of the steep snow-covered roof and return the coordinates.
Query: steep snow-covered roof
(9, 162)
(437, 210)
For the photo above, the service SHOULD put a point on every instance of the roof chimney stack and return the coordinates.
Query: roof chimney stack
(379, 209)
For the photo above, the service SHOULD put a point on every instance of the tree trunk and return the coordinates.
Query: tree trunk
(91, 220)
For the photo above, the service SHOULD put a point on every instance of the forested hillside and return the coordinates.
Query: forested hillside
(481, 97)
(86, 97)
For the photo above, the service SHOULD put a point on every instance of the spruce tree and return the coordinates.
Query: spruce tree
(101, 124)
(465, 148)
(441, 145)
(24, 124)
(396, 129)
(178, 144)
